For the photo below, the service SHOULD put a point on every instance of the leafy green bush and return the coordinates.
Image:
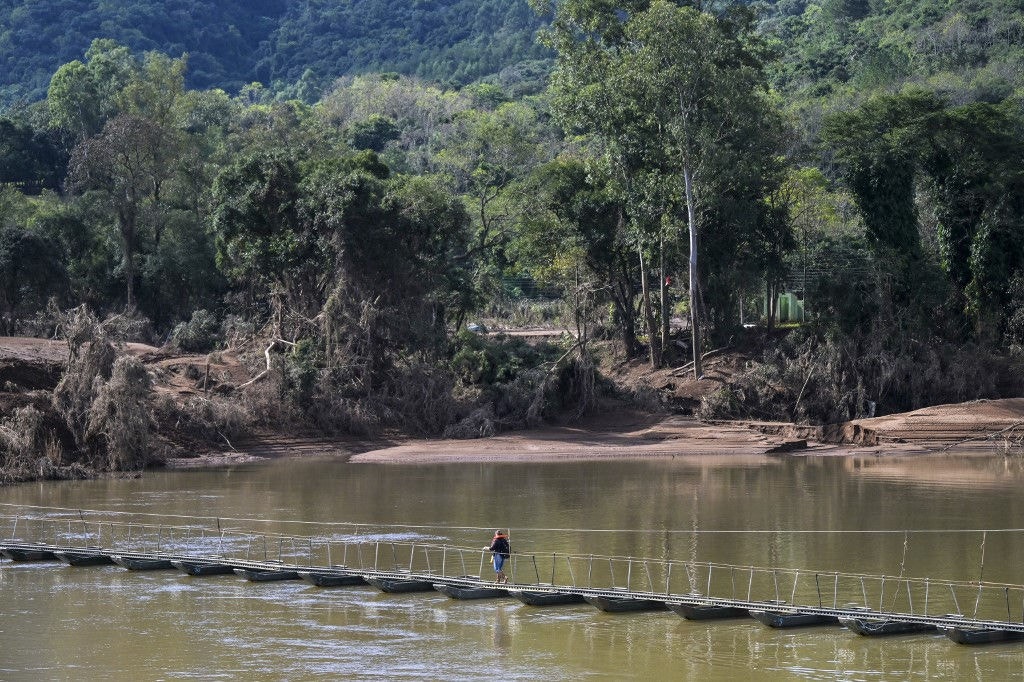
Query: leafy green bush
(199, 334)
(492, 360)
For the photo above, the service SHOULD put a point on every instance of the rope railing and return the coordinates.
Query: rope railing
(667, 579)
(491, 527)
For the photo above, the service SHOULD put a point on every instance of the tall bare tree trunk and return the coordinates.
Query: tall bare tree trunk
(691, 223)
(652, 336)
(665, 313)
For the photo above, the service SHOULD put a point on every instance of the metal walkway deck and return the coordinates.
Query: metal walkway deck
(966, 611)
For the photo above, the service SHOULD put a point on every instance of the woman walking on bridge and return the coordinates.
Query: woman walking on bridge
(502, 549)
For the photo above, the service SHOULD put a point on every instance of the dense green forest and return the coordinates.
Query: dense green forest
(682, 161)
(300, 45)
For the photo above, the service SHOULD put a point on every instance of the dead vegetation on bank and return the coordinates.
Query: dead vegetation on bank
(115, 406)
(805, 378)
(96, 418)
(105, 405)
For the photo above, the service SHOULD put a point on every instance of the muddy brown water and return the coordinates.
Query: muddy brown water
(61, 623)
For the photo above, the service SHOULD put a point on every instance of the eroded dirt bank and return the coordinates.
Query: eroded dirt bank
(980, 427)
(29, 368)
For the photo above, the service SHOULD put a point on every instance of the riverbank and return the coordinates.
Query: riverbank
(992, 427)
(30, 368)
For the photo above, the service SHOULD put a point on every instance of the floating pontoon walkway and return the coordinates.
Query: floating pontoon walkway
(968, 612)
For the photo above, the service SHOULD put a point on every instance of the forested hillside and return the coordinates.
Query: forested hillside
(837, 52)
(684, 180)
(222, 38)
(447, 41)
(233, 43)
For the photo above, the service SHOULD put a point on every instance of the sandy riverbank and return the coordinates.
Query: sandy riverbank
(992, 427)
(979, 427)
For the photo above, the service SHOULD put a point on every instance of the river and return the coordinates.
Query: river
(61, 623)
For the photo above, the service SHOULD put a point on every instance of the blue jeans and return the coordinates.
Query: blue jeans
(499, 561)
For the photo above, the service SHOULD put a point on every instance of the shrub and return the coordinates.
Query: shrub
(29, 449)
(89, 366)
(119, 417)
(200, 334)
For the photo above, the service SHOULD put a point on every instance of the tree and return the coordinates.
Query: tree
(155, 90)
(672, 93)
(256, 223)
(29, 159)
(372, 133)
(82, 96)
(31, 271)
(880, 145)
(393, 277)
(127, 165)
(977, 184)
(573, 237)
(488, 157)
(965, 158)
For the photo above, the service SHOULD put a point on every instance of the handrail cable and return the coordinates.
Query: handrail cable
(521, 530)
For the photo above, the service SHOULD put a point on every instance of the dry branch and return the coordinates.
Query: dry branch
(988, 436)
(688, 366)
(266, 353)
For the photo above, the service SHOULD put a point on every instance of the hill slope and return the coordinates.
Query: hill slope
(231, 43)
